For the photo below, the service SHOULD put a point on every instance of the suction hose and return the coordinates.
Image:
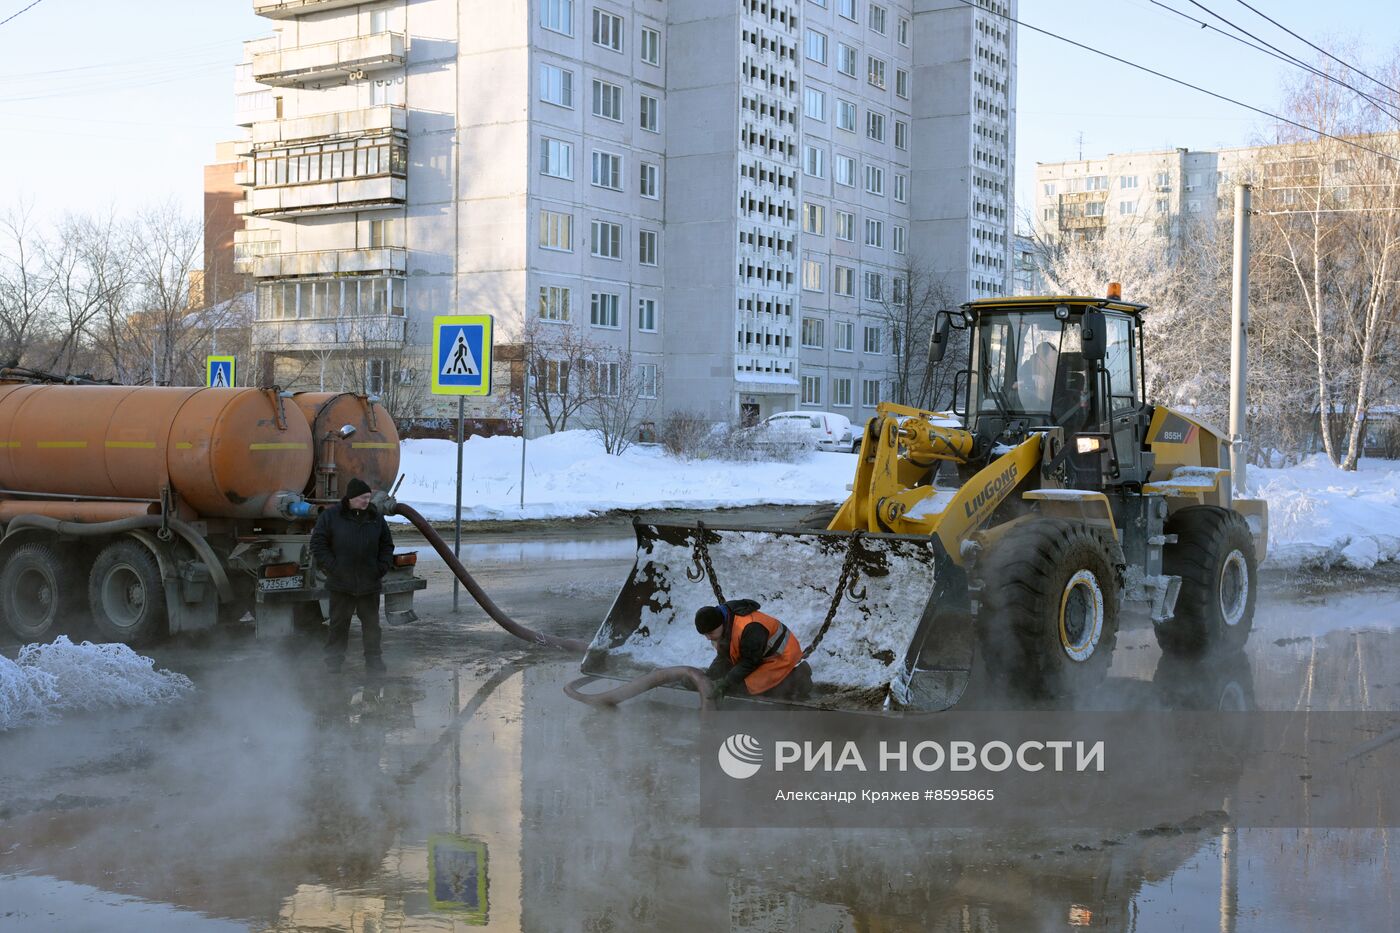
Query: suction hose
(628, 690)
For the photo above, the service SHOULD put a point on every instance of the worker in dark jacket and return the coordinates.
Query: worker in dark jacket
(352, 545)
(755, 654)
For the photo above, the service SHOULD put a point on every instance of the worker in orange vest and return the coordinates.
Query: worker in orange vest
(755, 654)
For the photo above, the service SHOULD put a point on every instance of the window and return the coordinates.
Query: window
(901, 134)
(876, 18)
(646, 380)
(845, 171)
(556, 85)
(555, 376)
(1093, 209)
(606, 379)
(650, 183)
(1161, 180)
(556, 158)
(814, 161)
(846, 59)
(607, 100)
(812, 333)
(845, 115)
(556, 230)
(897, 289)
(558, 15)
(814, 104)
(897, 238)
(875, 71)
(844, 282)
(841, 392)
(649, 112)
(1193, 207)
(845, 226)
(874, 286)
(607, 240)
(901, 83)
(869, 392)
(1096, 183)
(1118, 361)
(602, 310)
(875, 233)
(814, 219)
(816, 46)
(874, 339)
(1127, 207)
(646, 314)
(875, 179)
(376, 375)
(812, 275)
(875, 125)
(607, 170)
(378, 234)
(1162, 206)
(650, 46)
(903, 31)
(647, 247)
(1048, 214)
(845, 336)
(847, 8)
(607, 30)
(1048, 189)
(811, 390)
(901, 188)
(1127, 181)
(554, 303)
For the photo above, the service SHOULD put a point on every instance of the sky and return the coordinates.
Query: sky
(119, 103)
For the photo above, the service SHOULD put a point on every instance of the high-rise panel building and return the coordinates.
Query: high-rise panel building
(732, 191)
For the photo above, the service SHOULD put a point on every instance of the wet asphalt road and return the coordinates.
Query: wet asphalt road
(282, 798)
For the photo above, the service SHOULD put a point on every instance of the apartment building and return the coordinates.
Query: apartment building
(732, 191)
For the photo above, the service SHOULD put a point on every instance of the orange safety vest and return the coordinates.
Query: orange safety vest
(782, 655)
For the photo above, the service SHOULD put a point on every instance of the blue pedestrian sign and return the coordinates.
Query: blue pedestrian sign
(462, 355)
(218, 372)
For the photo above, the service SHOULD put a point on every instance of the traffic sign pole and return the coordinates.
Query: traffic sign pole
(457, 531)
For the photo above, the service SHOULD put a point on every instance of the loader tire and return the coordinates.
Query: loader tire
(1214, 556)
(127, 595)
(40, 592)
(1050, 595)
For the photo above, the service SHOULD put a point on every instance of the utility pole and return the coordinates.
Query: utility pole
(1239, 338)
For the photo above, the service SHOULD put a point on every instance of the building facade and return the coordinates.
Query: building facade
(733, 192)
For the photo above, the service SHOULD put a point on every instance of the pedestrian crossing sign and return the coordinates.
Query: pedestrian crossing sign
(218, 372)
(462, 355)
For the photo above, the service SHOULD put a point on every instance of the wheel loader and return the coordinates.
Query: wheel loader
(1017, 524)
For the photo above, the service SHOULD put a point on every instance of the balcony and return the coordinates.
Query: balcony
(251, 245)
(346, 123)
(383, 332)
(384, 259)
(325, 197)
(326, 62)
(286, 9)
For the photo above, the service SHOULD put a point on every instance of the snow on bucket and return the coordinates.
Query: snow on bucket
(47, 680)
(861, 658)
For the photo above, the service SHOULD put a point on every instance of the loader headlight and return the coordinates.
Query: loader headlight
(1089, 443)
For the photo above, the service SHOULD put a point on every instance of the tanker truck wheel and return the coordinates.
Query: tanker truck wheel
(1049, 607)
(40, 593)
(127, 595)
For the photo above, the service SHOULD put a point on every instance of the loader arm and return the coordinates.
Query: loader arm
(893, 489)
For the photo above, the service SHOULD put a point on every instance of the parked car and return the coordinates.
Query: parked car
(825, 430)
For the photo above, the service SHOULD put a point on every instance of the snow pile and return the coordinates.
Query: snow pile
(49, 679)
(568, 475)
(1320, 516)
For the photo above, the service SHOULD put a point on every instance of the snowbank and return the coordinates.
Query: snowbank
(568, 475)
(49, 679)
(1320, 516)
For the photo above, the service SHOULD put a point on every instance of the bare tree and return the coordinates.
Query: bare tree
(909, 312)
(25, 283)
(378, 356)
(557, 358)
(622, 396)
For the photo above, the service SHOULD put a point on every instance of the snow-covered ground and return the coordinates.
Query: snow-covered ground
(1319, 516)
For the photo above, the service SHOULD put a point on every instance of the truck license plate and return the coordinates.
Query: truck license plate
(280, 583)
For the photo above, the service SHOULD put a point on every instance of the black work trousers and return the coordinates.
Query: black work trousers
(344, 605)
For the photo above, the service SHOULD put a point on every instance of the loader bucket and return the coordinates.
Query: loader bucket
(901, 594)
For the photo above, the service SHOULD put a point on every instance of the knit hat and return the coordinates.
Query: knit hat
(708, 618)
(356, 487)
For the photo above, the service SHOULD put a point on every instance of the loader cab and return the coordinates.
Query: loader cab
(1029, 369)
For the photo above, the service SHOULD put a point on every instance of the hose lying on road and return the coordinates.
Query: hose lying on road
(658, 677)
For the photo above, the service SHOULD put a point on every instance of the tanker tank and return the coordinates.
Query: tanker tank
(370, 451)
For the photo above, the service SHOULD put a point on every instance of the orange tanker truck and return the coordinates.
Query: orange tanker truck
(154, 510)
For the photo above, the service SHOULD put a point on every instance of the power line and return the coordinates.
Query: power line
(25, 10)
(1186, 84)
(1261, 45)
(1318, 47)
